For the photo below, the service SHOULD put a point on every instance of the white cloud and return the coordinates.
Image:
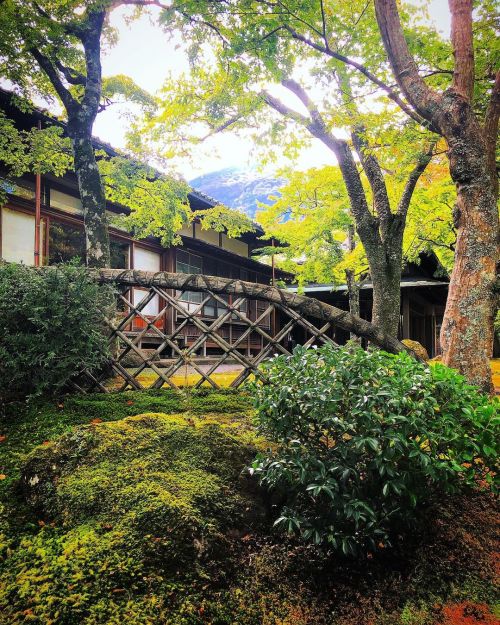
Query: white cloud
(147, 55)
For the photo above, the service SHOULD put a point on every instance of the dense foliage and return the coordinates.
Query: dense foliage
(365, 439)
(51, 327)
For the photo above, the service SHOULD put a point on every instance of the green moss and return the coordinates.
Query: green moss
(25, 427)
(139, 504)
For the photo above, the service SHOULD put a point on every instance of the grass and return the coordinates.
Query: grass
(147, 377)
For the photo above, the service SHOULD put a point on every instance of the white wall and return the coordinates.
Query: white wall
(235, 245)
(66, 202)
(147, 260)
(18, 237)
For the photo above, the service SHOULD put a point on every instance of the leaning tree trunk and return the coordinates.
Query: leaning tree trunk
(93, 199)
(305, 306)
(467, 330)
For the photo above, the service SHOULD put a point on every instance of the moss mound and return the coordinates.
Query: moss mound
(134, 506)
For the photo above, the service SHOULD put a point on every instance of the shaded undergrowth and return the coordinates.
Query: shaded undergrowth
(150, 519)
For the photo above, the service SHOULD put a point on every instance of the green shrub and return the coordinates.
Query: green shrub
(365, 438)
(50, 328)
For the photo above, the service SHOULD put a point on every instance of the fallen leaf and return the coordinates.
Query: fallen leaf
(95, 421)
(3, 476)
(2, 438)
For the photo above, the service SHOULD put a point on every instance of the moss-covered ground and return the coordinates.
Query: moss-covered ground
(135, 507)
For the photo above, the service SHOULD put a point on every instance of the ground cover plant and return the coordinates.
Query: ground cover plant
(133, 506)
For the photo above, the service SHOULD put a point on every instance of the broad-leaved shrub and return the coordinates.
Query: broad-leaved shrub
(51, 327)
(363, 439)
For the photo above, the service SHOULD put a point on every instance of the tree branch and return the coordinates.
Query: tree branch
(46, 65)
(366, 72)
(413, 178)
(463, 47)
(375, 176)
(424, 100)
(71, 76)
(284, 110)
(366, 224)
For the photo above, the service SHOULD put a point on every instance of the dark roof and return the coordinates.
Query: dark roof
(331, 287)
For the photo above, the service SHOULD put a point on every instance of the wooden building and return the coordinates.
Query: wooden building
(424, 288)
(62, 239)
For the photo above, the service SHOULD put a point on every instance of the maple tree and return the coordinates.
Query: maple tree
(355, 50)
(317, 101)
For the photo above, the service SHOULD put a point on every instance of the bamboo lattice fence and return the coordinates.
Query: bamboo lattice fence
(248, 324)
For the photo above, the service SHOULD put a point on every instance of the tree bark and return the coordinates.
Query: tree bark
(92, 197)
(467, 330)
(353, 288)
(306, 306)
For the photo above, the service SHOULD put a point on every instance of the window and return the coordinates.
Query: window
(188, 263)
(66, 242)
(147, 260)
(185, 262)
(18, 236)
(214, 308)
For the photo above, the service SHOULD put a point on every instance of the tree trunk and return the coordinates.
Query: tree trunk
(93, 199)
(467, 330)
(387, 297)
(353, 288)
(305, 306)
(385, 270)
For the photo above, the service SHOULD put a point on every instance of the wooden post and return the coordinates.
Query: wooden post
(38, 207)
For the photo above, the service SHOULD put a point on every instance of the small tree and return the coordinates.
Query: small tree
(54, 49)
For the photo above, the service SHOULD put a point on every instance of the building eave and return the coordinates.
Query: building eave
(332, 288)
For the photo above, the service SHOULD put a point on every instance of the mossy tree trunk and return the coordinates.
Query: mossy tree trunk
(81, 114)
(467, 331)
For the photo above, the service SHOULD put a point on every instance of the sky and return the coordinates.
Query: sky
(144, 53)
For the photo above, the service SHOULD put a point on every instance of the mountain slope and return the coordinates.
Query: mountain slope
(237, 188)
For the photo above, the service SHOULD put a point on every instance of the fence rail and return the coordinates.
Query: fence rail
(160, 335)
